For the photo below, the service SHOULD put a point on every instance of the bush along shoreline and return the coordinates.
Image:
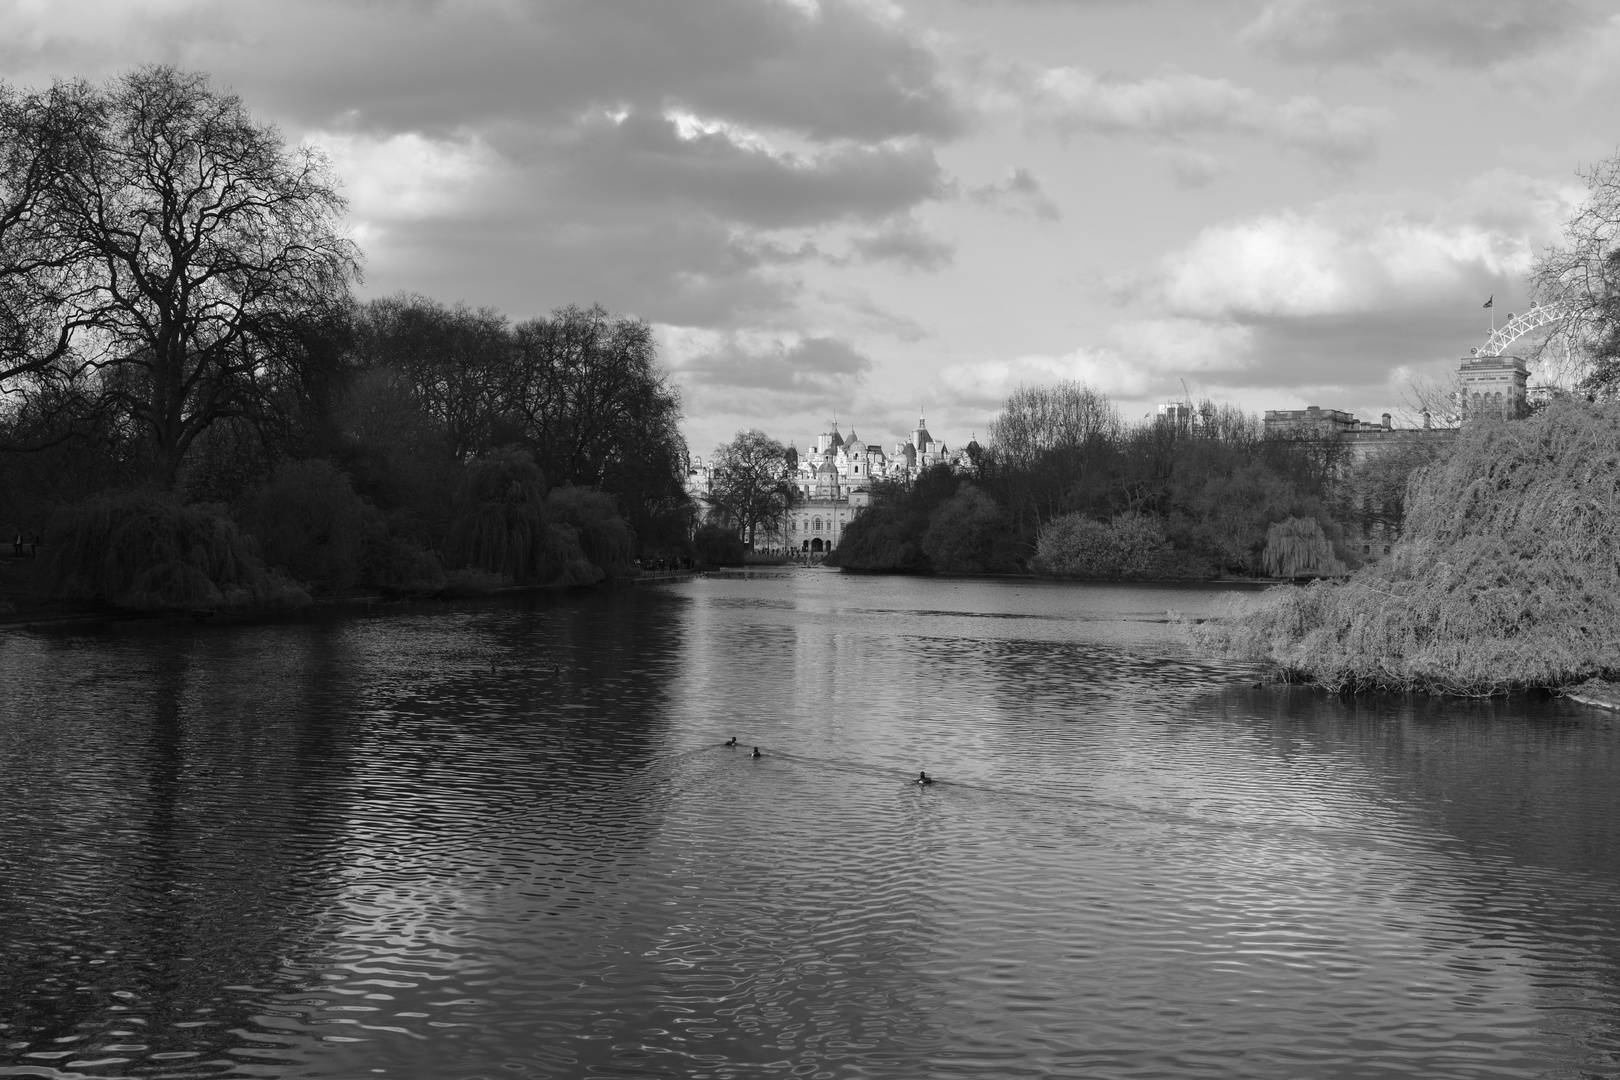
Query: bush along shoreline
(304, 535)
(1506, 577)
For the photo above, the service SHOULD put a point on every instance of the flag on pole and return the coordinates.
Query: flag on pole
(1491, 301)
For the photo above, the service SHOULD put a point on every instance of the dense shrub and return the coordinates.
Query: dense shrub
(718, 546)
(888, 533)
(962, 532)
(1130, 547)
(144, 551)
(1506, 575)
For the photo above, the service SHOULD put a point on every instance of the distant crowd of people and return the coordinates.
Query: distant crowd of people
(21, 540)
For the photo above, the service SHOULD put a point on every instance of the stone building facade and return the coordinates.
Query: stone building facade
(1493, 388)
(834, 477)
(1490, 389)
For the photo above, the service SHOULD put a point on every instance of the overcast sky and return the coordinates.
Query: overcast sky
(878, 208)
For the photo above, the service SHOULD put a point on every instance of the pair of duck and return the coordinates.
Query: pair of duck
(922, 778)
(733, 742)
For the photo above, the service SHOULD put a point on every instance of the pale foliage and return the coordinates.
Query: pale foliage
(1584, 273)
(1506, 574)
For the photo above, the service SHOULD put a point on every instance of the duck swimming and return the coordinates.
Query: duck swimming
(756, 753)
(732, 741)
(923, 778)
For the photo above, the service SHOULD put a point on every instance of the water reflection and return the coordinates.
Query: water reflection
(505, 839)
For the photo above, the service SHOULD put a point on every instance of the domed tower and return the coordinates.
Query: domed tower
(827, 481)
(792, 459)
(920, 437)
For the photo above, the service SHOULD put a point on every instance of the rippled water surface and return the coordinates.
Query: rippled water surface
(504, 840)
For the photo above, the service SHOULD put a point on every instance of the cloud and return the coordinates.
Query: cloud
(1136, 359)
(1327, 302)
(1347, 257)
(1461, 32)
(676, 161)
(406, 176)
(1020, 193)
(832, 70)
(645, 160)
(740, 372)
(905, 242)
(1341, 292)
(1191, 169)
(1176, 107)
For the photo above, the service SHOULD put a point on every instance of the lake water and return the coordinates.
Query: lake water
(504, 840)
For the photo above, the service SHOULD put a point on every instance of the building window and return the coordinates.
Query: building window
(817, 524)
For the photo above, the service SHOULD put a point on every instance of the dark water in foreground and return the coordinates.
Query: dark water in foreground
(504, 841)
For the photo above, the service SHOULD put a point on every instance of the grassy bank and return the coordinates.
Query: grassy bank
(1507, 574)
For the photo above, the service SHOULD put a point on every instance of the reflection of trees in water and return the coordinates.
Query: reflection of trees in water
(176, 804)
(192, 819)
(1516, 798)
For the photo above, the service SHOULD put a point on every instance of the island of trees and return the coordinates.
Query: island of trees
(200, 415)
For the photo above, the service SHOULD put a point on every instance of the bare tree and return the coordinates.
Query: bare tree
(751, 483)
(1438, 402)
(1584, 274)
(178, 248)
(41, 281)
(1064, 416)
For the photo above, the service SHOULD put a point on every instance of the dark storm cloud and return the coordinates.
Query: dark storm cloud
(645, 154)
(691, 272)
(832, 70)
(1460, 32)
(644, 160)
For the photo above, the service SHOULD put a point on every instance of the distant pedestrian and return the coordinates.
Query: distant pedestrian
(16, 546)
(33, 549)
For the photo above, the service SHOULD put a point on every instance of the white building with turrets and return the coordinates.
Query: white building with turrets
(835, 477)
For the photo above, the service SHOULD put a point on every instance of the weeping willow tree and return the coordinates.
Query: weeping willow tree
(603, 537)
(1297, 548)
(503, 526)
(1505, 576)
(144, 551)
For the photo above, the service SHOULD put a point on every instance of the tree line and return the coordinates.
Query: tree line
(1067, 487)
(187, 381)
